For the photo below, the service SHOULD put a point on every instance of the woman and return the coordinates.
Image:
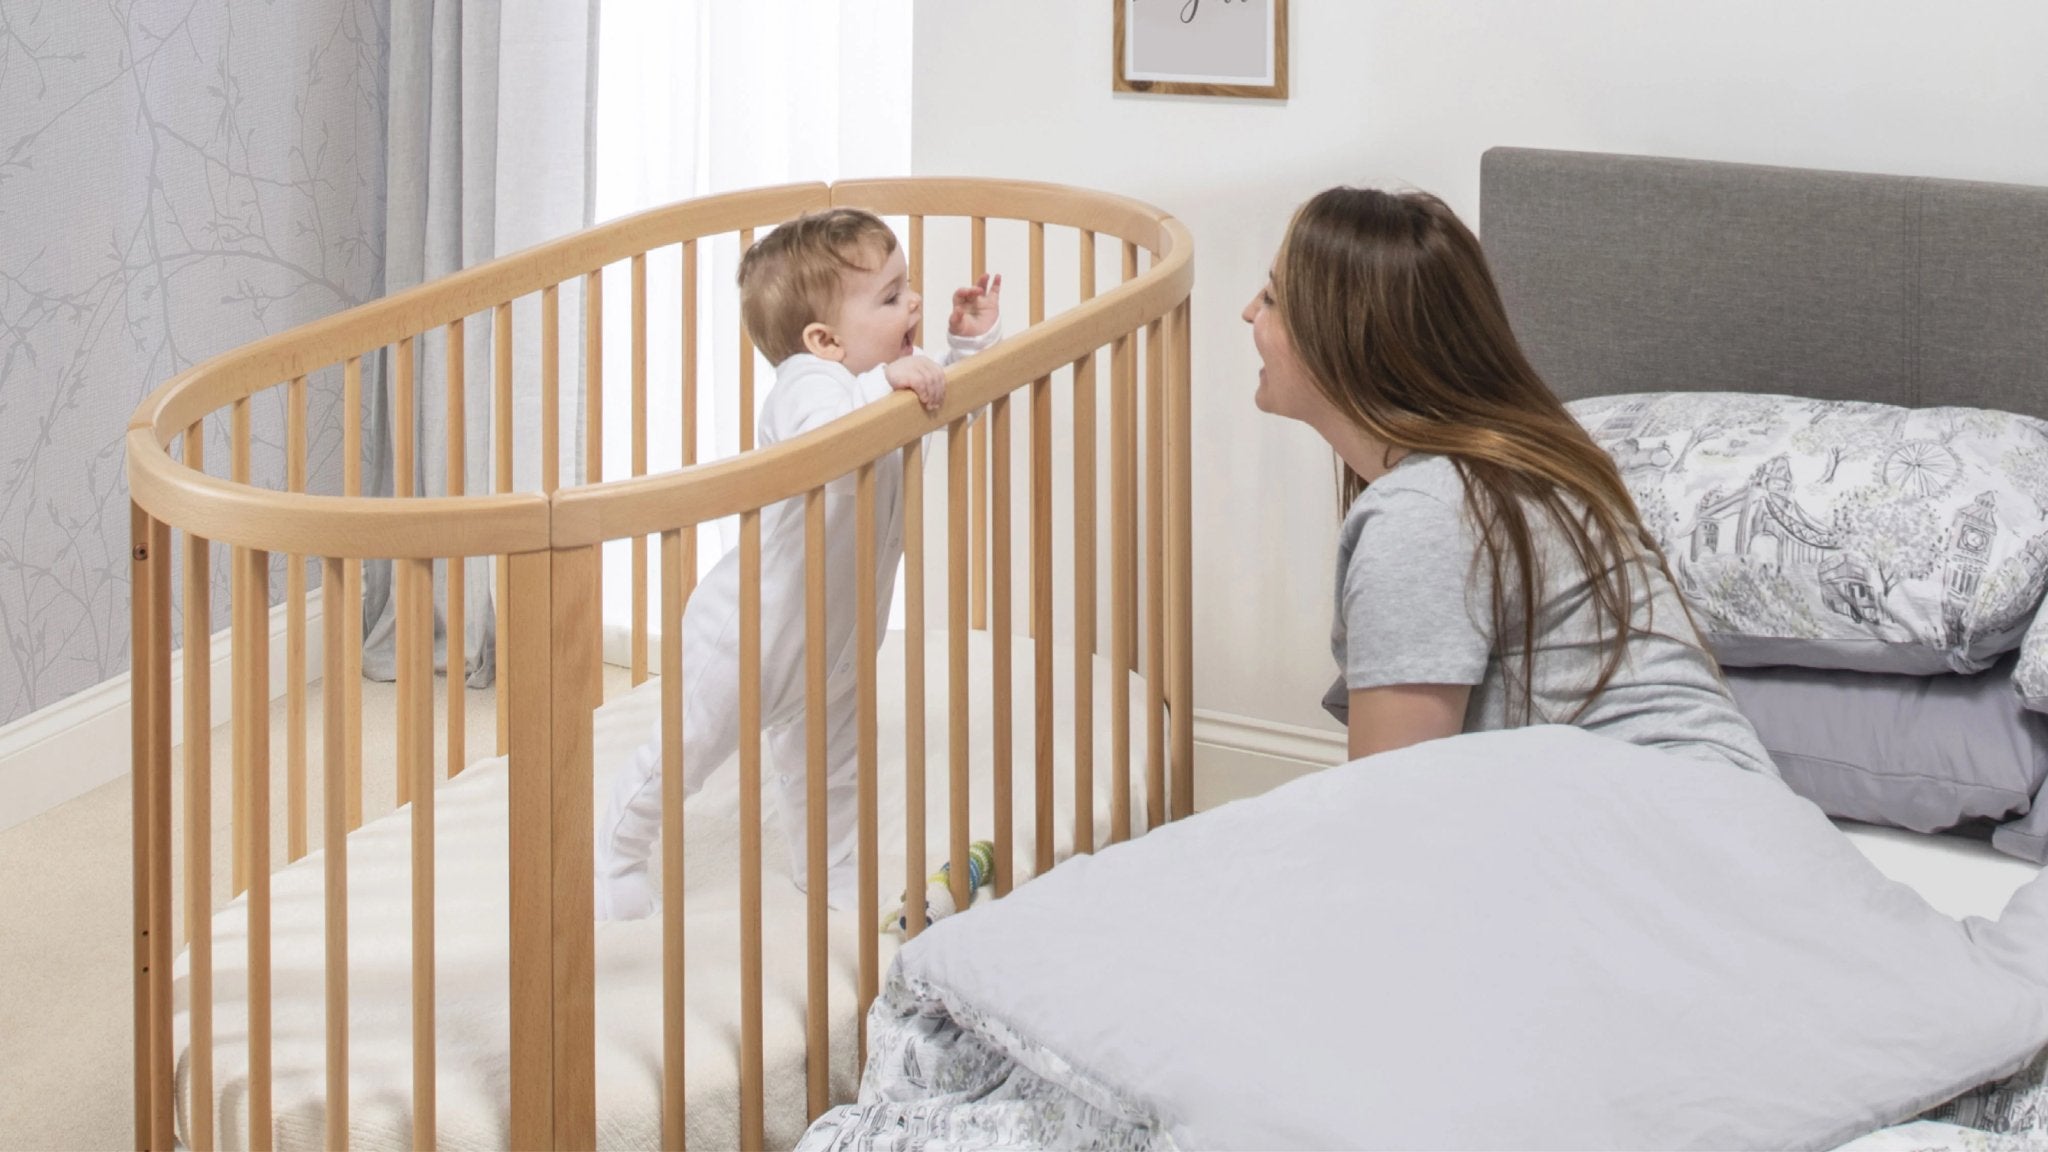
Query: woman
(1492, 570)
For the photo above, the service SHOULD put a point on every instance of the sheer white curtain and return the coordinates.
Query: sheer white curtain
(697, 97)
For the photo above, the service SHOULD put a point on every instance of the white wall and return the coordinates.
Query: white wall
(1409, 94)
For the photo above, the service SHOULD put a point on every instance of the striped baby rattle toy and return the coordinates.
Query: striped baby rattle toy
(938, 896)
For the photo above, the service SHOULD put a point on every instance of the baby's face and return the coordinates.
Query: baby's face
(879, 315)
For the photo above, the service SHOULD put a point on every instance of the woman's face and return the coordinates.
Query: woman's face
(1284, 385)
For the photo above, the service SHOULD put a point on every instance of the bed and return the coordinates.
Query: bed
(1541, 938)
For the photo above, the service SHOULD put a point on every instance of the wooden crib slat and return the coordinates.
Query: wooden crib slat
(550, 388)
(415, 584)
(1041, 570)
(689, 415)
(870, 839)
(915, 257)
(1041, 614)
(746, 367)
(1035, 244)
(1036, 313)
(1085, 449)
(158, 770)
(639, 369)
(956, 654)
(593, 430)
(913, 689)
(199, 808)
(1180, 566)
(1121, 516)
(1131, 460)
(333, 779)
(1155, 560)
(295, 633)
(458, 598)
(977, 453)
(593, 377)
(403, 428)
(238, 663)
(501, 440)
(672, 881)
(999, 616)
(352, 590)
(1084, 601)
(818, 1039)
(752, 1100)
(252, 631)
(403, 432)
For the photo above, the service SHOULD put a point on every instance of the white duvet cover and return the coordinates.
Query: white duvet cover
(1529, 939)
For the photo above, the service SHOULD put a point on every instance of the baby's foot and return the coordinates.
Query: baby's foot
(627, 897)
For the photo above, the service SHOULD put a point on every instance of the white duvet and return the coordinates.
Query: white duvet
(1536, 938)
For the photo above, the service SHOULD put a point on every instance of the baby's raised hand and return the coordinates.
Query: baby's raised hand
(921, 375)
(977, 307)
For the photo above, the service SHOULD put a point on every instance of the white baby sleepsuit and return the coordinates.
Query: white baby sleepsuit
(809, 392)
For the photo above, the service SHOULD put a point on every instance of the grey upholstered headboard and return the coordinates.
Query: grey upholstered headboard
(1640, 274)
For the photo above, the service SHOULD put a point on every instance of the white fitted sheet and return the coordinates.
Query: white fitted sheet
(472, 930)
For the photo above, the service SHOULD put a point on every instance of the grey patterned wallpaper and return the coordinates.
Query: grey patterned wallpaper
(177, 177)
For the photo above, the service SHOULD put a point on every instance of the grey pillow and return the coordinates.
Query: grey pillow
(2026, 838)
(1920, 752)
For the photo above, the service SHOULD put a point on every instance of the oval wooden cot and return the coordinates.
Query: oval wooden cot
(1059, 725)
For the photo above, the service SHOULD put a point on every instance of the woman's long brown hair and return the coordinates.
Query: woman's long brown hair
(1390, 305)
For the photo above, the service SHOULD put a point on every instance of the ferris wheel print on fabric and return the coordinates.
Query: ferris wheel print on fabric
(1921, 468)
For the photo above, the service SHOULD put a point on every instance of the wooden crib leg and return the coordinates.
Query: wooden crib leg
(553, 688)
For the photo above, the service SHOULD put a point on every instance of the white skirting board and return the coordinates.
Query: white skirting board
(83, 741)
(1240, 756)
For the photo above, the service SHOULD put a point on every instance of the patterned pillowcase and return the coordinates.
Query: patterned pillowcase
(2030, 676)
(1839, 534)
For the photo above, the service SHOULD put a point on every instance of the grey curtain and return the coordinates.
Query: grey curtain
(490, 132)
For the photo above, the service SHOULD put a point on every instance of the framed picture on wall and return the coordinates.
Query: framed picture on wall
(1202, 47)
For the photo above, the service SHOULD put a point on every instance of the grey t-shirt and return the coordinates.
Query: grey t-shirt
(1413, 608)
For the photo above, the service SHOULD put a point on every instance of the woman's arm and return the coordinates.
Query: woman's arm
(1397, 715)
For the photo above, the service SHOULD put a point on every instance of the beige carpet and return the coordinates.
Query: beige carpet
(66, 1040)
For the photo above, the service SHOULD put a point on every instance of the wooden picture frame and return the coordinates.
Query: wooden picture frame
(1202, 47)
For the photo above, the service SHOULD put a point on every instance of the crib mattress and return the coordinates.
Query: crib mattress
(473, 927)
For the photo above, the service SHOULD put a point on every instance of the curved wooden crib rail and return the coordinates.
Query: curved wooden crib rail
(547, 543)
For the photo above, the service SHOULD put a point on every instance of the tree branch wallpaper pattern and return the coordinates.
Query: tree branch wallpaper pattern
(176, 179)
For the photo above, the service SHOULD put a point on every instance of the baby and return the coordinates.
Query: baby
(827, 299)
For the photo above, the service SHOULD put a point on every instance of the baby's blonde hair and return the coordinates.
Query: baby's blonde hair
(789, 279)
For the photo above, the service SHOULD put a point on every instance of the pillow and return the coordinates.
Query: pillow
(2030, 676)
(1838, 534)
(1925, 753)
(2027, 838)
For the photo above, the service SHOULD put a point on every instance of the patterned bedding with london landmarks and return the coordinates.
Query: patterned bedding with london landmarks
(1839, 534)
